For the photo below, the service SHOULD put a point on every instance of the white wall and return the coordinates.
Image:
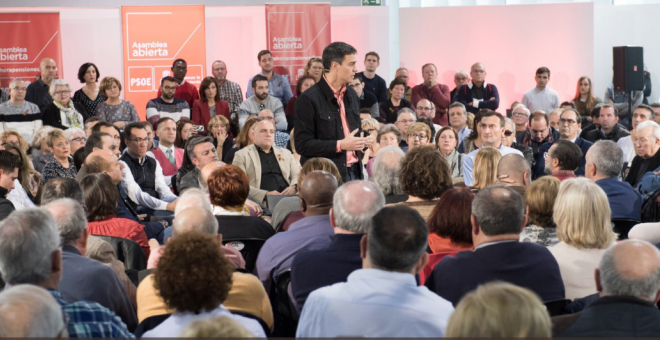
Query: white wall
(633, 25)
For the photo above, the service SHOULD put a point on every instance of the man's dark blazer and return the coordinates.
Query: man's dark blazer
(632, 177)
(318, 125)
(523, 264)
(539, 167)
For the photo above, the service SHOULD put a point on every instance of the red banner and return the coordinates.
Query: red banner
(27, 38)
(295, 34)
(155, 36)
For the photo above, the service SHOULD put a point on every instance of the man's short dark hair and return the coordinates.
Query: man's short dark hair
(168, 78)
(257, 78)
(9, 162)
(263, 53)
(95, 140)
(162, 120)
(83, 70)
(499, 210)
(397, 239)
(608, 106)
(337, 52)
(62, 187)
(542, 70)
(491, 113)
(595, 113)
(178, 60)
(372, 53)
(91, 120)
(99, 125)
(656, 105)
(538, 115)
(647, 108)
(571, 104)
(568, 154)
(128, 130)
(578, 118)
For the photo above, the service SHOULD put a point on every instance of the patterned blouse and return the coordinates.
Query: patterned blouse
(544, 236)
(123, 112)
(90, 105)
(54, 169)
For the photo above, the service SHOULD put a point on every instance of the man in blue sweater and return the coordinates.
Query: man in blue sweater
(373, 83)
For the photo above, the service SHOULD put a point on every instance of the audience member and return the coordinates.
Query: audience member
(520, 115)
(61, 165)
(446, 139)
(89, 124)
(609, 129)
(500, 310)
(458, 120)
(304, 83)
(390, 107)
(438, 94)
(37, 92)
(167, 104)
(276, 255)
(604, 164)
(200, 151)
(330, 261)
(485, 168)
(562, 160)
(541, 97)
(19, 114)
(460, 78)
(243, 139)
(553, 118)
(114, 110)
(403, 73)
(497, 221)
(30, 254)
(490, 130)
(89, 96)
(509, 140)
(62, 112)
(584, 99)
(477, 94)
(314, 69)
(278, 85)
(168, 156)
(184, 90)
(28, 311)
(539, 133)
(281, 138)
(113, 131)
(27, 186)
(314, 137)
(370, 126)
(449, 223)
(473, 140)
(514, 171)
(219, 128)
(195, 284)
(372, 82)
(620, 101)
(77, 138)
(424, 177)
(647, 143)
(13, 137)
(641, 113)
(656, 110)
(262, 100)
(366, 98)
(426, 110)
(370, 303)
(540, 198)
(417, 134)
(62, 188)
(628, 279)
(594, 122)
(229, 90)
(84, 279)
(584, 229)
(185, 128)
(405, 118)
(9, 170)
(387, 165)
(208, 105)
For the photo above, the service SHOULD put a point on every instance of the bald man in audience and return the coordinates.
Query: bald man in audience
(38, 91)
(316, 195)
(628, 279)
(27, 311)
(246, 295)
(514, 171)
(426, 109)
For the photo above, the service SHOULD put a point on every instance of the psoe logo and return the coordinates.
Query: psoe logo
(287, 43)
(13, 54)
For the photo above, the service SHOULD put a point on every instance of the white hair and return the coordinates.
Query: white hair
(55, 84)
(462, 73)
(355, 204)
(28, 311)
(40, 135)
(70, 132)
(510, 121)
(16, 80)
(615, 283)
(193, 197)
(525, 109)
(652, 124)
(207, 225)
(70, 218)
(386, 167)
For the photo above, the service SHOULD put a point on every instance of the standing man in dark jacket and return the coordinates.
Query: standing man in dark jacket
(327, 115)
(9, 164)
(478, 94)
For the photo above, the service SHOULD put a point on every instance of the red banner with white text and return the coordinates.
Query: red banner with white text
(295, 34)
(27, 38)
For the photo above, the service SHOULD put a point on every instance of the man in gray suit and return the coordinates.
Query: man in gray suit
(272, 170)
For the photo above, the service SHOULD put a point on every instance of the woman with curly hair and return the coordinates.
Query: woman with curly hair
(194, 278)
(424, 177)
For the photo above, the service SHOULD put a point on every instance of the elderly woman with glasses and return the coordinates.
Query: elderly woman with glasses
(418, 134)
(77, 138)
(63, 113)
(61, 165)
(509, 139)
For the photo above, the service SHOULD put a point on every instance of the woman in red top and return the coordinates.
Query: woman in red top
(209, 100)
(101, 198)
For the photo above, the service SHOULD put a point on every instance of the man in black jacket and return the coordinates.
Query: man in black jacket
(9, 164)
(327, 115)
(628, 279)
(647, 145)
(609, 128)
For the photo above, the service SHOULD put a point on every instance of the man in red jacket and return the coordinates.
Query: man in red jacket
(438, 94)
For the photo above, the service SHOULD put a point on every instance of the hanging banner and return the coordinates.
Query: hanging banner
(27, 38)
(295, 34)
(154, 37)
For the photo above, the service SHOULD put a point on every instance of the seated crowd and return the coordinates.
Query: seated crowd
(345, 208)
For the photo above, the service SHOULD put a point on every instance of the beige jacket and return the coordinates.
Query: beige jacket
(248, 160)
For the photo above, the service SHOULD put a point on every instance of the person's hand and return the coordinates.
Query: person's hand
(273, 193)
(141, 217)
(352, 143)
(468, 104)
(492, 98)
(221, 136)
(657, 173)
(256, 207)
(171, 206)
(289, 191)
(369, 140)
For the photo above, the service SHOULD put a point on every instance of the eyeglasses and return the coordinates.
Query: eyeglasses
(266, 118)
(519, 114)
(508, 133)
(406, 121)
(79, 139)
(63, 92)
(20, 88)
(570, 122)
(139, 140)
(424, 108)
(421, 137)
(169, 88)
(262, 106)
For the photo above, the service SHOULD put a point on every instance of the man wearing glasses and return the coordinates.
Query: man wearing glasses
(37, 92)
(477, 94)
(405, 118)
(19, 114)
(539, 132)
(569, 127)
(262, 101)
(426, 109)
(167, 105)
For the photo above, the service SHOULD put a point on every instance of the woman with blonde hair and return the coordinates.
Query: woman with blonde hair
(370, 126)
(12, 136)
(540, 198)
(219, 129)
(314, 68)
(584, 100)
(41, 152)
(582, 214)
(417, 134)
(500, 310)
(61, 165)
(485, 168)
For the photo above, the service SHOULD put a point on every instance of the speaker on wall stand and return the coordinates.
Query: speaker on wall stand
(628, 71)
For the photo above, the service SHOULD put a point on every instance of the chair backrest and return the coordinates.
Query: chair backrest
(433, 260)
(285, 320)
(263, 324)
(556, 307)
(128, 252)
(248, 247)
(149, 324)
(622, 227)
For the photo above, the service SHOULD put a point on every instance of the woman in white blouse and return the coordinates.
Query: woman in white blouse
(582, 215)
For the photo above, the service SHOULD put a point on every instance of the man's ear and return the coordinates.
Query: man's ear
(475, 225)
(363, 247)
(332, 218)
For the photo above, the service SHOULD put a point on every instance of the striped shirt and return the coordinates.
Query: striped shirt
(158, 108)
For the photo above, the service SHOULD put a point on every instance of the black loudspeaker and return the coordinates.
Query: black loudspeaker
(628, 68)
